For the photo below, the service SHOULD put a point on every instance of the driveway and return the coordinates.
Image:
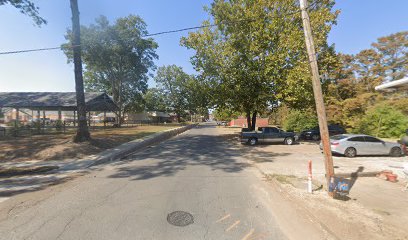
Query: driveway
(373, 203)
(293, 160)
(202, 173)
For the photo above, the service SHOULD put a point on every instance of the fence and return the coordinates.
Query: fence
(68, 127)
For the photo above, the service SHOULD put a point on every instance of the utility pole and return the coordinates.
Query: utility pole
(82, 132)
(317, 91)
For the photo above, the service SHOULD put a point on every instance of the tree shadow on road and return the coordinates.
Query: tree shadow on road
(14, 186)
(218, 152)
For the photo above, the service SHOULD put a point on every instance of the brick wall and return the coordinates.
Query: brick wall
(242, 122)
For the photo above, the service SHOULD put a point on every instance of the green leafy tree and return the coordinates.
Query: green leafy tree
(225, 114)
(351, 80)
(177, 92)
(256, 55)
(369, 69)
(154, 100)
(172, 82)
(383, 121)
(117, 59)
(28, 8)
(400, 103)
(394, 51)
(198, 96)
(343, 85)
(300, 120)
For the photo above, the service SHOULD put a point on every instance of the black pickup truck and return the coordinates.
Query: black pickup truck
(268, 135)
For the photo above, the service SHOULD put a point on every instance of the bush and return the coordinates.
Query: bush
(383, 121)
(300, 120)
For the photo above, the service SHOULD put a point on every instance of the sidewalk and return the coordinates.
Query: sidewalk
(68, 169)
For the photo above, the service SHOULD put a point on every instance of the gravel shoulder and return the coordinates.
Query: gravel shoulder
(375, 209)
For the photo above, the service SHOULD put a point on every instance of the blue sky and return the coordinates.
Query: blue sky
(360, 23)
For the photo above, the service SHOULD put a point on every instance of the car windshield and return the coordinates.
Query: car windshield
(338, 137)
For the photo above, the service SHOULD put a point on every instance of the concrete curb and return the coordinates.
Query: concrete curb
(128, 148)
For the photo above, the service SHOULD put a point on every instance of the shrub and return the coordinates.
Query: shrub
(383, 121)
(300, 120)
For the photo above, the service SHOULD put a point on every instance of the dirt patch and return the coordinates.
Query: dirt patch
(60, 146)
(344, 219)
(284, 179)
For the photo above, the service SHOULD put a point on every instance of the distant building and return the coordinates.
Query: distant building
(49, 106)
(150, 116)
(25, 115)
(242, 122)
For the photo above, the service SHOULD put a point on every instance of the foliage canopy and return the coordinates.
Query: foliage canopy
(117, 59)
(28, 8)
(383, 121)
(256, 56)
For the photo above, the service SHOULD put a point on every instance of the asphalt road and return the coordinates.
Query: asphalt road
(199, 172)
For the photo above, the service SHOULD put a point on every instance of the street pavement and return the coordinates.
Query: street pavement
(65, 169)
(197, 172)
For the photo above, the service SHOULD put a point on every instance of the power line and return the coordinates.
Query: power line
(179, 30)
(198, 27)
(153, 34)
(30, 50)
(147, 35)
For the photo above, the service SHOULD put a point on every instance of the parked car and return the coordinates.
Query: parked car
(351, 145)
(222, 123)
(314, 133)
(268, 135)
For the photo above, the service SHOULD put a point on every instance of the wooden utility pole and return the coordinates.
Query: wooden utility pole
(317, 90)
(82, 132)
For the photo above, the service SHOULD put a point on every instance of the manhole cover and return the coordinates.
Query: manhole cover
(180, 218)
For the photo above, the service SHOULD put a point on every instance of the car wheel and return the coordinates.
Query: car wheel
(395, 152)
(252, 141)
(315, 137)
(350, 152)
(289, 141)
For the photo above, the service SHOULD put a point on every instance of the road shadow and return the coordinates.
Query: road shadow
(23, 182)
(23, 171)
(264, 157)
(218, 152)
(14, 186)
(354, 176)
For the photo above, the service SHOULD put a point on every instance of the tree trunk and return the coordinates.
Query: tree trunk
(178, 117)
(121, 110)
(248, 116)
(253, 126)
(82, 131)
